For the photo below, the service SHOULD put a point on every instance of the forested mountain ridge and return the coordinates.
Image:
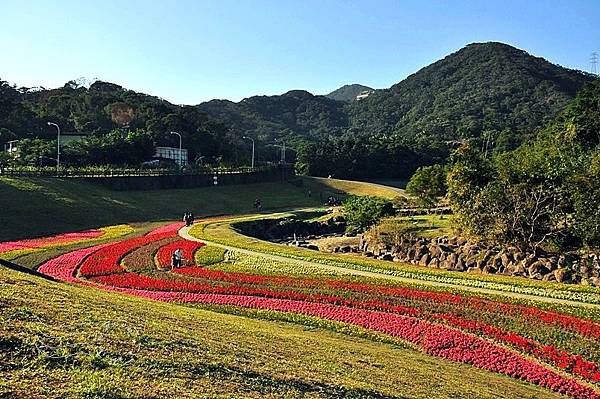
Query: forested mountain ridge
(348, 93)
(295, 115)
(487, 90)
(484, 87)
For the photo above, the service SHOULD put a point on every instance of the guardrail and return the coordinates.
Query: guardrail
(125, 172)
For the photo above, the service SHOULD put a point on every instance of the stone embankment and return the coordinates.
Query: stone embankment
(459, 254)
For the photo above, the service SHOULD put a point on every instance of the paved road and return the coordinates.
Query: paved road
(185, 233)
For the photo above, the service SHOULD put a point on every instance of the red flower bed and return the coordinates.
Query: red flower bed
(107, 260)
(53, 240)
(584, 327)
(165, 252)
(368, 305)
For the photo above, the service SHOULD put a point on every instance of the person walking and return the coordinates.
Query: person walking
(179, 257)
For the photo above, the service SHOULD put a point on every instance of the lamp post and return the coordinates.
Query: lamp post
(251, 139)
(57, 147)
(180, 157)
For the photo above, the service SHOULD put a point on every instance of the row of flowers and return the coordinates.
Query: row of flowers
(475, 304)
(189, 248)
(107, 260)
(14, 249)
(141, 259)
(564, 360)
(234, 285)
(228, 236)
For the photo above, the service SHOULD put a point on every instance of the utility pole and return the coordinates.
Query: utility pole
(251, 139)
(180, 154)
(594, 61)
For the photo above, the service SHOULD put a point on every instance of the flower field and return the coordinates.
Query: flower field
(13, 249)
(550, 348)
(223, 232)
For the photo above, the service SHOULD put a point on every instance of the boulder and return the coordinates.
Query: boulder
(506, 259)
(489, 269)
(538, 267)
(424, 261)
(387, 256)
(434, 263)
(560, 275)
(460, 265)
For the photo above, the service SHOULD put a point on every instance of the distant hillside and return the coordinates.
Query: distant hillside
(348, 93)
(294, 115)
(483, 90)
(484, 87)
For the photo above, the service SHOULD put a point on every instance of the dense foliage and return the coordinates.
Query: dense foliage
(363, 211)
(427, 184)
(545, 191)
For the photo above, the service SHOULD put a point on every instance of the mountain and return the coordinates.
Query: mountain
(348, 93)
(484, 87)
(295, 115)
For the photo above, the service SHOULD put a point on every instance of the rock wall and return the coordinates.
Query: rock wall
(459, 254)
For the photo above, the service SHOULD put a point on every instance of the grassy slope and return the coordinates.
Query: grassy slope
(333, 186)
(35, 207)
(60, 340)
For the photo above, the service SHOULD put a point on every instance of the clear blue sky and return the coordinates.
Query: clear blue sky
(190, 51)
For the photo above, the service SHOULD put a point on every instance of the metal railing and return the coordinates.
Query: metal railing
(29, 171)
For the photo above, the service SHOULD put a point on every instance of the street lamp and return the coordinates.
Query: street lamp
(251, 139)
(57, 146)
(180, 155)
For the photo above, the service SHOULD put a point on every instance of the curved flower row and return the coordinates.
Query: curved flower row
(406, 322)
(59, 239)
(163, 256)
(584, 327)
(106, 260)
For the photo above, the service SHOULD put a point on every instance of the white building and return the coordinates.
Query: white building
(11, 147)
(364, 94)
(173, 153)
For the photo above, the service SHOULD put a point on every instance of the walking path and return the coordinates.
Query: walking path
(185, 233)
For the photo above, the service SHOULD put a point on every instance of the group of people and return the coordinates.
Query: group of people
(188, 218)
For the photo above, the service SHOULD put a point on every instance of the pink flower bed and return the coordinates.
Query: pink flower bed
(101, 265)
(66, 238)
(437, 340)
(107, 260)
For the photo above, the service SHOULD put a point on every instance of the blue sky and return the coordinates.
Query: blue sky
(191, 51)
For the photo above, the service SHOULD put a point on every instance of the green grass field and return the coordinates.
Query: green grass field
(31, 207)
(64, 341)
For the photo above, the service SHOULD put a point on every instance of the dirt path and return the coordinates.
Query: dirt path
(184, 233)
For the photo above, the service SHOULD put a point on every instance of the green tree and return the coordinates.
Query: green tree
(428, 183)
(364, 211)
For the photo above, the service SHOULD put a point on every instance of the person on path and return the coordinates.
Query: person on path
(174, 260)
(179, 256)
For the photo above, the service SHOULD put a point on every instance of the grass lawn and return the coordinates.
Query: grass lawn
(334, 186)
(60, 341)
(428, 226)
(31, 207)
